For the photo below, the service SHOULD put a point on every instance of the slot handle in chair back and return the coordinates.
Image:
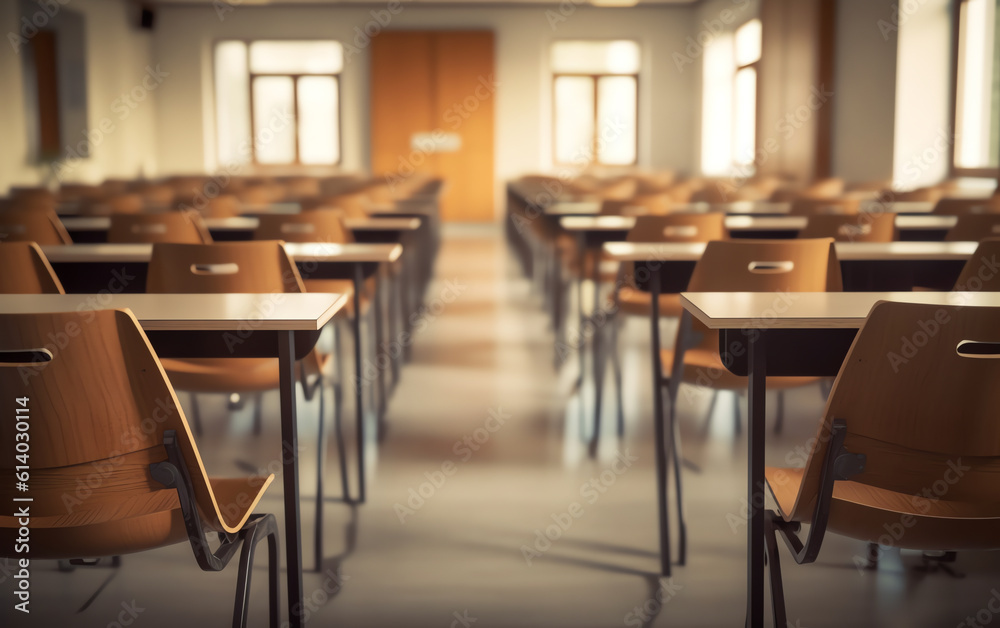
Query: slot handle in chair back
(215, 269)
(771, 268)
(24, 357)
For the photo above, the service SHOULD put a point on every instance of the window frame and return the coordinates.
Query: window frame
(736, 166)
(252, 76)
(595, 78)
(955, 171)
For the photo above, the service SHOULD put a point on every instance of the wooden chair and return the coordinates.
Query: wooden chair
(26, 270)
(33, 225)
(930, 194)
(156, 195)
(175, 226)
(980, 273)
(831, 187)
(221, 206)
(631, 301)
(354, 205)
(892, 430)
(974, 227)
(76, 192)
(91, 403)
(126, 203)
(865, 227)
(821, 206)
(737, 266)
(637, 205)
(955, 206)
(242, 267)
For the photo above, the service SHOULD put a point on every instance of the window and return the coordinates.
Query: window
(977, 97)
(729, 101)
(595, 88)
(278, 102)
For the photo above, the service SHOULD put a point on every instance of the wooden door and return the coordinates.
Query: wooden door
(432, 99)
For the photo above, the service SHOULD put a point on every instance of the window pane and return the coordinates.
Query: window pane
(616, 123)
(978, 98)
(232, 102)
(748, 42)
(273, 121)
(574, 112)
(745, 117)
(296, 57)
(595, 57)
(717, 107)
(318, 132)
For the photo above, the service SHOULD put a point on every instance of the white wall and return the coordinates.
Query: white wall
(184, 37)
(923, 133)
(865, 91)
(117, 56)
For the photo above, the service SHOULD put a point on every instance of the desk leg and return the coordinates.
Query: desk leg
(597, 347)
(359, 404)
(755, 480)
(557, 311)
(290, 477)
(379, 338)
(660, 431)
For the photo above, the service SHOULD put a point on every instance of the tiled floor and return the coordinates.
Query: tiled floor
(481, 400)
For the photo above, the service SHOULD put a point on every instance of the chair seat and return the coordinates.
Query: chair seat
(127, 512)
(235, 375)
(861, 511)
(704, 367)
(634, 302)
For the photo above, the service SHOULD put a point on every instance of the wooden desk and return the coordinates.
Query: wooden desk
(736, 208)
(121, 268)
(811, 335)
(204, 325)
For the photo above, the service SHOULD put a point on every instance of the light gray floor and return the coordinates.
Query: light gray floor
(460, 554)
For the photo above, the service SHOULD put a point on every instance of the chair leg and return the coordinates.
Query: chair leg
(338, 405)
(675, 454)
(616, 366)
(259, 527)
(779, 421)
(872, 557)
(195, 414)
(320, 459)
(257, 412)
(738, 425)
(774, 570)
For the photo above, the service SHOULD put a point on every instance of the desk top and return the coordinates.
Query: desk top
(810, 310)
(589, 208)
(860, 251)
(195, 312)
(300, 252)
(245, 223)
(749, 223)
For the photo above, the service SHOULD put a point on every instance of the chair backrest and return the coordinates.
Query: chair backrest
(687, 227)
(930, 194)
(805, 265)
(156, 195)
(982, 271)
(321, 225)
(251, 267)
(621, 188)
(125, 203)
(865, 227)
(637, 205)
(100, 401)
(823, 188)
(221, 206)
(821, 206)
(974, 227)
(26, 270)
(957, 206)
(32, 225)
(354, 205)
(176, 226)
(919, 392)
